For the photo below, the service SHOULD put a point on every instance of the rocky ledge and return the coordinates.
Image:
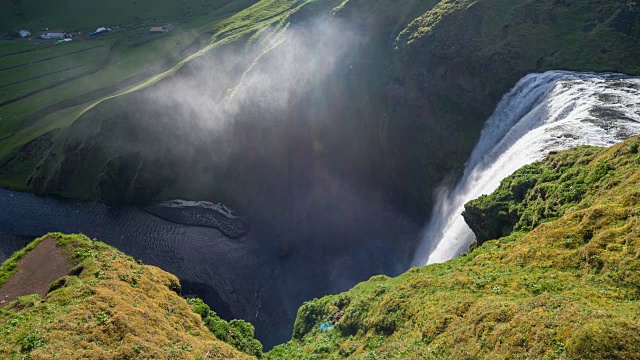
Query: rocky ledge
(201, 213)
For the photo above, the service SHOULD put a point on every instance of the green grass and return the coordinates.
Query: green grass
(76, 15)
(535, 194)
(526, 36)
(110, 307)
(238, 333)
(231, 26)
(9, 47)
(43, 52)
(116, 60)
(566, 287)
(123, 54)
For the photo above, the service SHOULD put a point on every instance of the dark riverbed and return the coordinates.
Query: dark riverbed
(255, 277)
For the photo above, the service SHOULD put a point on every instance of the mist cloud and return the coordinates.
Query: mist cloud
(259, 80)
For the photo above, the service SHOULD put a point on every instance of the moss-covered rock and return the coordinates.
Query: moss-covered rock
(535, 194)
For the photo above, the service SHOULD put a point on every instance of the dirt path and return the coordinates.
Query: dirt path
(36, 271)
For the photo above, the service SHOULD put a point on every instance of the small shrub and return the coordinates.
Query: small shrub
(30, 342)
(347, 348)
(102, 318)
(175, 286)
(237, 333)
(76, 271)
(353, 319)
(569, 242)
(309, 314)
(57, 284)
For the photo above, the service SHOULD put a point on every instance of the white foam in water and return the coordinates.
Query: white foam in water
(556, 110)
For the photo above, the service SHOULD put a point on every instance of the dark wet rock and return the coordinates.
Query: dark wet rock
(609, 98)
(201, 213)
(604, 116)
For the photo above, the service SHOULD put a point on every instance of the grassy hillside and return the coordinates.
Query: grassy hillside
(44, 89)
(526, 36)
(564, 285)
(111, 307)
(82, 15)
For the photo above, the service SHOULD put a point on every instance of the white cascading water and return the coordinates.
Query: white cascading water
(556, 110)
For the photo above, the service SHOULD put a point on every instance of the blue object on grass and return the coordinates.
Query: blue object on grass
(325, 327)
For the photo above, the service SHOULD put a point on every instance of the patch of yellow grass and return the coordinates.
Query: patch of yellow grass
(114, 308)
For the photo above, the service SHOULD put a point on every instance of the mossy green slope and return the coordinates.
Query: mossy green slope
(40, 101)
(112, 307)
(568, 288)
(76, 14)
(507, 39)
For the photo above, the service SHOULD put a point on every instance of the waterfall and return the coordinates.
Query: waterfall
(556, 110)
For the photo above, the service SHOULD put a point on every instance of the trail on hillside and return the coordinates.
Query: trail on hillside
(36, 271)
(546, 112)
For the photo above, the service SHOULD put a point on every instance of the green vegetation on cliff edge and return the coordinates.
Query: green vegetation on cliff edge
(564, 285)
(112, 307)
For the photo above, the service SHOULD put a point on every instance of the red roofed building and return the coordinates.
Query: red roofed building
(162, 29)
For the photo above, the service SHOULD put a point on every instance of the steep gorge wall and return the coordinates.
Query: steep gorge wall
(561, 285)
(398, 111)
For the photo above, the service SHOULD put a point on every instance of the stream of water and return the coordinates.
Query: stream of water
(545, 112)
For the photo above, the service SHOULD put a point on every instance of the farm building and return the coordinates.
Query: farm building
(55, 35)
(100, 31)
(162, 29)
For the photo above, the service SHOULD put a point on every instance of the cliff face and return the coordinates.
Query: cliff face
(390, 101)
(563, 284)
